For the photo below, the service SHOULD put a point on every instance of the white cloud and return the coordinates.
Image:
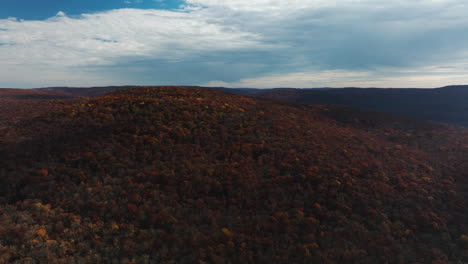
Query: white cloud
(107, 38)
(274, 7)
(99, 38)
(133, 1)
(296, 79)
(259, 5)
(425, 77)
(34, 77)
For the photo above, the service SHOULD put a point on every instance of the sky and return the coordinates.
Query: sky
(235, 43)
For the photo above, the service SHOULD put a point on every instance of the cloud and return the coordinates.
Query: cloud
(334, 38)
(244, 42)
(133, 1)
(424, 77)
(99, 38)
(108, 38)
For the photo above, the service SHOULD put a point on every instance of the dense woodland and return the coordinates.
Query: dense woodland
(188, 175)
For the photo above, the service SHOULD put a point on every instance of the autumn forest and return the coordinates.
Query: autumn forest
(192, 175)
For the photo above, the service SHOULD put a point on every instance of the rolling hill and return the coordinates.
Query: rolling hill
(447, 104)
(58, 92)
(82, 91)
(28, 94)
(190, 175)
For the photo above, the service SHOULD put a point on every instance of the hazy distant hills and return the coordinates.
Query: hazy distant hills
(448, 104)
(190, 175)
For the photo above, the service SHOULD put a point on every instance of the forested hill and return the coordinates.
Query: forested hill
(447, 104)
(82, 92)
(58, 92)
(188, 175)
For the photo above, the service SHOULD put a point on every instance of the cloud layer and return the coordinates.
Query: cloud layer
(424, 77)
(264, 43)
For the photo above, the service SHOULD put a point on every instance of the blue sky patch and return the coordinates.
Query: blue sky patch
(40, 10)
(106, 40)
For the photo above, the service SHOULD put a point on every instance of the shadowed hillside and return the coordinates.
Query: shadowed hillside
(448, 104)
(82, 92)
(188, 175)
(28, 94)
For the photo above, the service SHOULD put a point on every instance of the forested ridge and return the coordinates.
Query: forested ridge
(446, 104)
(189, 175)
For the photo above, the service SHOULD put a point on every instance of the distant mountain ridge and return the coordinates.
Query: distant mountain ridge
(446, 104)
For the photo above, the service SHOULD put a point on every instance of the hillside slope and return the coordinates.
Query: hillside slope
(185, 175)
(25, 94)
(58, 92)
(448, 104)
(82, 92)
